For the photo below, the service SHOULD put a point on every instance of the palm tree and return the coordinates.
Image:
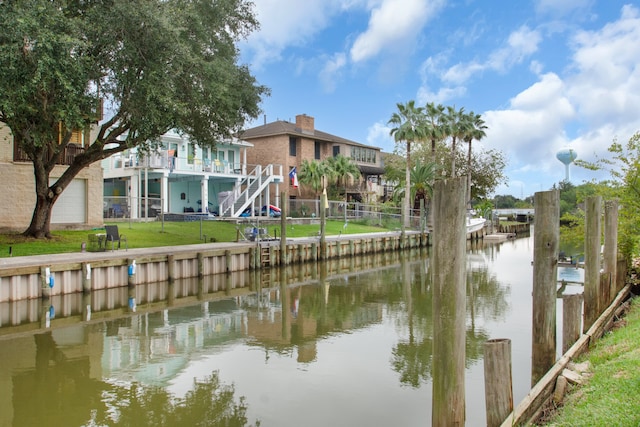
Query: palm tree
(456, 126)
(409, 127)
(421, 187)
(435, 126)
(311, 173)
(343, 170)
(475, 130)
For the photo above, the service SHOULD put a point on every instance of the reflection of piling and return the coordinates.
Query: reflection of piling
(546, 238)
(449, 281)
(592, 260)
(571, 320)
(498, 387)
(285, 304)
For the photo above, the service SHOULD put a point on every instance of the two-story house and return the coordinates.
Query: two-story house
(286, 143)
(182, 177)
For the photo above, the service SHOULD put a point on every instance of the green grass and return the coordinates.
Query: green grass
(153, 234)
(611, 397)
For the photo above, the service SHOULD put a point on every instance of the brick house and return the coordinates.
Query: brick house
(288, 144)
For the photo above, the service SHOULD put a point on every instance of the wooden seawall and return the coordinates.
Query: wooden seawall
(44, 276)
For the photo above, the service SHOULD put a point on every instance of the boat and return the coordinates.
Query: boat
(475, 224)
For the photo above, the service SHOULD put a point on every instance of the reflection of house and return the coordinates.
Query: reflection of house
(79, 204)
(286, 143)
(181, 177)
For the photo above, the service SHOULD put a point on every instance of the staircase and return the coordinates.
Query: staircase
(250, 189)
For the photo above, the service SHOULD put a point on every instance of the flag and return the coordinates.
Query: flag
(294, 177)
(325, 199)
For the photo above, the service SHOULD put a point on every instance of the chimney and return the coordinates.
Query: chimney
(305, 123)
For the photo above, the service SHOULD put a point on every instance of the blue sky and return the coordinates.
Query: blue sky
(545, 74)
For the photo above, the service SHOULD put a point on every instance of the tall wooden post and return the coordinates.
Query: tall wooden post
(283, 227)
(611, 246)
(592, 260)
(546, 237)
(449, 281)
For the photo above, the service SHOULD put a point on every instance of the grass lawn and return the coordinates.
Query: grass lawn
(153, 234)
(610, 397)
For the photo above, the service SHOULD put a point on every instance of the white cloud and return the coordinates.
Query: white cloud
(393, 24)
(598, 98)
(606, 82)
(378, 136)
(285, 23)
(531, 131)
(521, 44)
(331, 71)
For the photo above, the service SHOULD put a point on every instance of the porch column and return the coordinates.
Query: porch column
(165, 192)
(204, 194)
(134, 195)
(244, 161)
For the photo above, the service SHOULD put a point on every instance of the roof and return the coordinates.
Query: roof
(371, 170)
(281, 127)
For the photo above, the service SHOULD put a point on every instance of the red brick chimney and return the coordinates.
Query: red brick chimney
(305, 123)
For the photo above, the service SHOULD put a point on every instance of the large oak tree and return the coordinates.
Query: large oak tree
(157, 65)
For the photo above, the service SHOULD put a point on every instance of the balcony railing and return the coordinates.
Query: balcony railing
(65, 157)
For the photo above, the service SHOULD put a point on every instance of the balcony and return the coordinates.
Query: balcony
(64, 158)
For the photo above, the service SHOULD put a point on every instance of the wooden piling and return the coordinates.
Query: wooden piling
(546, 239)
(449, 306)
(611, 246)
(592, 260)
(498, 387)
(571, 320)
(284, 206)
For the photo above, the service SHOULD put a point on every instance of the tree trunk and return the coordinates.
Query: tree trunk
(40, 226)
(407, 190)
(46, 196)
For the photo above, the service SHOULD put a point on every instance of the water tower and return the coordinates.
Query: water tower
(567, 156)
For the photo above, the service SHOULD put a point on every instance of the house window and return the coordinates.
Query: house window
(336, 150)
(317, 150)
(363, 155)
(292, 146)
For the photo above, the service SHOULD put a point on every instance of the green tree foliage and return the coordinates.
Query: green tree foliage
(422, 178)
(311, 173)
(342, 171)
(624, 167)
(157, 64)
(444, 128)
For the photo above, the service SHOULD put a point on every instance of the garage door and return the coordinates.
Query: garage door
(71, 205)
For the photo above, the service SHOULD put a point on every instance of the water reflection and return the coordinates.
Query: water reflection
(348, 342)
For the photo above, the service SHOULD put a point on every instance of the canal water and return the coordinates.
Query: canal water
(347, 343)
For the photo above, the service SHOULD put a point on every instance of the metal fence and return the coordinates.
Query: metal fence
(127, 207)
(372, 214)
